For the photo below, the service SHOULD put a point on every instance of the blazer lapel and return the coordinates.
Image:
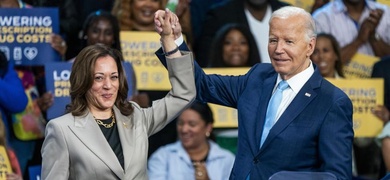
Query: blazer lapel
(263, 104)
(89, 133)
(299, 103)
(126, 135)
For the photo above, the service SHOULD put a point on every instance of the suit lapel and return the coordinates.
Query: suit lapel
(299, 103)
(126, 135)
(263, 104)
(89, 133)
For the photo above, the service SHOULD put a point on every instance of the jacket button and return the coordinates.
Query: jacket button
(255, 161)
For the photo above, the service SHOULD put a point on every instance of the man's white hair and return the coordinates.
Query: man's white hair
(289, 11)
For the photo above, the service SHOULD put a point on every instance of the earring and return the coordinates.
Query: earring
(207, 134)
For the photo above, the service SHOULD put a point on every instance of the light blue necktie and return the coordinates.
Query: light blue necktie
(272, 109)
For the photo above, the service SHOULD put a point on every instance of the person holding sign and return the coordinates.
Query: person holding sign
(105, 136)
(289, 117)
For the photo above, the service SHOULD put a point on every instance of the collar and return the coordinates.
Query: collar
(296, 82)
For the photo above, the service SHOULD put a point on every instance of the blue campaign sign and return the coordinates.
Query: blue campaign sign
(57, 82)
(25, 35)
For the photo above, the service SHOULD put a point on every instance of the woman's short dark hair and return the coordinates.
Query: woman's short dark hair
(95, 17)
(82, 78)
(203, 109)
(216, 51)
(336, 48)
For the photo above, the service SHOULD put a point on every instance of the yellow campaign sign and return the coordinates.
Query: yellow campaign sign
(5, 166)
(365, 95)
(139, 48)
(360, 66)
(225, 117)
(304, 4)
(386, 2)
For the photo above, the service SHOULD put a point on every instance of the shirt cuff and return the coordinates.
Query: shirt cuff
(179, 40)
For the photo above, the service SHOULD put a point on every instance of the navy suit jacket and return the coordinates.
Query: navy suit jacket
(313, 134)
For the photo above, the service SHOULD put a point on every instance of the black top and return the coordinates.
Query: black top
(112, 136)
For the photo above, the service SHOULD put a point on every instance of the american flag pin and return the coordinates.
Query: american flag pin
(307, 94)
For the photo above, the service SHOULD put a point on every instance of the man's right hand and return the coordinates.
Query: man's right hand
(176, 27)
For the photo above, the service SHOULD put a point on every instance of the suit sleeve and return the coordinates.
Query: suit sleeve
(181, 95)
(335, 140)
(55, 157)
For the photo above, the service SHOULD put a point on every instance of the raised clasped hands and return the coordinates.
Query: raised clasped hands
(167, 24)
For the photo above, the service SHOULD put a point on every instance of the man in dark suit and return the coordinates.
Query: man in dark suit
(312, 127)
(249, 13)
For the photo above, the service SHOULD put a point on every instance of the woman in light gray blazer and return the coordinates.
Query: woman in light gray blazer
(104, 136)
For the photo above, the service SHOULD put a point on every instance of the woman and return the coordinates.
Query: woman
(234, 46)
(104, 136)
(327, 56)
(16, 173)
(194, 156)
(137, 15)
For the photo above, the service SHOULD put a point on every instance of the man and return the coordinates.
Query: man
(360, 26)
(313, 129)
(251, 13)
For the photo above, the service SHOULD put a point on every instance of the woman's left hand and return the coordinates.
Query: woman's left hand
(58, 44)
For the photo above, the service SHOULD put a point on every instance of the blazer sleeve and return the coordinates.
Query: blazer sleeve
(181, 95)
(55, 164)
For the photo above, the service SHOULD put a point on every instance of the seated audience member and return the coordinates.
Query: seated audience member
(380, 70)
(327, 56)
(234, 46)
(194, 155)
(13, 99)
(360, 26)
(317, 4)
(16, 173)
(136, 15)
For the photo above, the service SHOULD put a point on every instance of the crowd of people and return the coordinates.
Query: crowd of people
(290, 118)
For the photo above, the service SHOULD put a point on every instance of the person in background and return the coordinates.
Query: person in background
(311, 130)
(13, 99)
(100, 27)
(360, 26)
(104, 134)
(234, 46)
(69, 25)
(380, 70)
(317, 4)
(136, 15)
(16, 173)
(254, 14)
(194, 153)
(327, 56)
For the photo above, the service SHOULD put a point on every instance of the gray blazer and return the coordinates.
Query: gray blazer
(75, 148)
